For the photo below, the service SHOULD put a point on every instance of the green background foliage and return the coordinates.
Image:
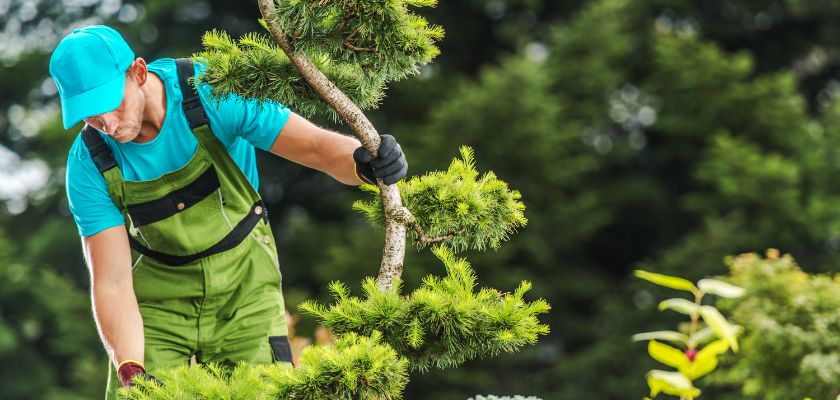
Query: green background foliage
(660, 134)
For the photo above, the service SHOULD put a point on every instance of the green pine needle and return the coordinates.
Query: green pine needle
(354, 367)
(480, 210)
(358, 45)
(443, 323)
(254, 68)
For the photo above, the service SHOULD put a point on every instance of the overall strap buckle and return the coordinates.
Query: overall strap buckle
(193, 108)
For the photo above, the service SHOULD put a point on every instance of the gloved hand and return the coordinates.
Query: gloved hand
(389, 163)
(128, 369)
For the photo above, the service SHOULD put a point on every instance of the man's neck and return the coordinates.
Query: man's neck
(154, 110)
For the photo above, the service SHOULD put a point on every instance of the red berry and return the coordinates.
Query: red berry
(691, 354)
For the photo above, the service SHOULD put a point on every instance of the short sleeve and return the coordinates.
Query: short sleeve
(87, 193)
(258, 122)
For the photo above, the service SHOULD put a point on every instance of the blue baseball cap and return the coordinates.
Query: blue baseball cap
(89, 67)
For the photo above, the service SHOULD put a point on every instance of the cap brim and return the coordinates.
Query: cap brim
(101, 99)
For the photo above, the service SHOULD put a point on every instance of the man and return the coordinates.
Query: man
(162, 185)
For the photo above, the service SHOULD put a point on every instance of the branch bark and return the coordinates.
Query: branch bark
(408, 219)
(393, 255)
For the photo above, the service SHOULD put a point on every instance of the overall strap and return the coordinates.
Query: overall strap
(100, 153)
(103, 159)
(193, 109)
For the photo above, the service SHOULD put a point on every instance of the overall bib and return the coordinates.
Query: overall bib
(205, 266)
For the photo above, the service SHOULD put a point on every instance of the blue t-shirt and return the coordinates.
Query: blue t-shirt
(239, 124)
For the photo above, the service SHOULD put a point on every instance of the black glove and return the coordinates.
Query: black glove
(389, 164)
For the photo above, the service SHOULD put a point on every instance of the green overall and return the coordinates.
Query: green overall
(205, 267)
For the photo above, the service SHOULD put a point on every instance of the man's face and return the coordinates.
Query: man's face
(122, 124)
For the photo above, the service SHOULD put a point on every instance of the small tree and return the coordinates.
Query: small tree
(334, 57)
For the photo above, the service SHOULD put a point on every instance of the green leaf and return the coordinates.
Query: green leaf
(671, 336)
(673, 383)
(717, 348)
(704, 336)
(720, 326)
(666, 354)
(681, 306)
(701, 366)
(720, 288)
(668, 281)
(706, 360)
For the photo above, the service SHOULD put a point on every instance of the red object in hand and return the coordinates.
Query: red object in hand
(691, 354)
(127, 370)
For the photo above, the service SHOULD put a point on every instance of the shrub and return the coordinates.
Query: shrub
(791, 344)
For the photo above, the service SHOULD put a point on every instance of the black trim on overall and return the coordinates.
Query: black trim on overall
(231, 240)
(100, 153)
(280, 348)
(152, 211)
(174, 201)
(193, 108)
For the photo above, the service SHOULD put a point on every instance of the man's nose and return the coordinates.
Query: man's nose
(110, 124)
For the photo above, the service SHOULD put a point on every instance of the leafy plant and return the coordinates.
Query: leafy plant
(708, 335)
(792, 345)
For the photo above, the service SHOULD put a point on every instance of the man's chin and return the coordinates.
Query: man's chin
(123, 138)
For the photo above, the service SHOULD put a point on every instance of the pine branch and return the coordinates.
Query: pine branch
(458, 207)
(255, 68)
(402, 40)
(355, 367)
(408, 219)
(443, 323)
(393, 254)
(386, 42)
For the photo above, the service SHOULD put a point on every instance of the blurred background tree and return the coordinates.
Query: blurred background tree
(655, 133)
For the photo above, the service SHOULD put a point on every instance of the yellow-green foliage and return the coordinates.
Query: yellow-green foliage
(255, 68)
(791, 341)
(698, 349)
(359, 45)
(444, 322)
(398, 40)
(355, 367)
(480, 211)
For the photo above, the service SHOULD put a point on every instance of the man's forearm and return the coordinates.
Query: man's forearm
(337, 152)
(305, 143)
(115, 309)
(120, 324)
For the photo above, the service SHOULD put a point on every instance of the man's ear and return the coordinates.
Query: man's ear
(138, 71)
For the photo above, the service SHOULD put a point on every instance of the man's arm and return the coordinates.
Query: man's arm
(112, 293)
(305, 143)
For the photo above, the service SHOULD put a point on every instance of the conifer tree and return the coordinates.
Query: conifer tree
(335, 57)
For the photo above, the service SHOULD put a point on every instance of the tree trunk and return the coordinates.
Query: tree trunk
(393, 255)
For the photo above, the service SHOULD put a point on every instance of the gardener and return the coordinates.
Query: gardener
(162, 183)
